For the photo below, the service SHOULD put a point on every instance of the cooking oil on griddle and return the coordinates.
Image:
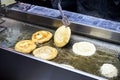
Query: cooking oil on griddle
(89, 64)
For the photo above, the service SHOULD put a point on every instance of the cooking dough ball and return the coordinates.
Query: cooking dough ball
(62, 36)
(25, 46)
(45, 52)
(66, 65)
(84, 48)
(108, 70)
(41, 36)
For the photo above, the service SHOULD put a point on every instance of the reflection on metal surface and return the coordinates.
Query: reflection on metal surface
(101, 34)
(2, 28)
(44, 11)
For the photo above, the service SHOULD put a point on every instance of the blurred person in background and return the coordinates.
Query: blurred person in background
(107, 9)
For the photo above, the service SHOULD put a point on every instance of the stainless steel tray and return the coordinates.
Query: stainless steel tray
(16, 64)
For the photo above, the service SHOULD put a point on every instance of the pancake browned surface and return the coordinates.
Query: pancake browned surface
(25, 46)
(41, 36)
(45, 52)
(62, 36)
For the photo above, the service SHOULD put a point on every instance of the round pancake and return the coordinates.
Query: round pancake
(108, 70)
(45, 52)
(41, 36)
(62, 36)
(25, 46)
(84, 48)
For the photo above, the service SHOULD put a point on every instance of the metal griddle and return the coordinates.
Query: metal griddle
(19, 66)
(17, 31)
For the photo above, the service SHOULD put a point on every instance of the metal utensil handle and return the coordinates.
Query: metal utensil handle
(65, 20)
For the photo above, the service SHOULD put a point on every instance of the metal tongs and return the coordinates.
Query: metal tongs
(65, 20)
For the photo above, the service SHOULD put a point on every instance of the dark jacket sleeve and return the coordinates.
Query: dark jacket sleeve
(46, 3)
(101, 8)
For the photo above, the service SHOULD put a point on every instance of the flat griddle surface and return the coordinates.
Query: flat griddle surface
(106, 52)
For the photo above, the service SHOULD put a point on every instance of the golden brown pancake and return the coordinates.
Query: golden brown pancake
(25, 46)
(45, 52)
(41, 36)
(62, 36)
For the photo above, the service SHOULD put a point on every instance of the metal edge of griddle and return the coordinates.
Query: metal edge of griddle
(56, 65)
(83, 29)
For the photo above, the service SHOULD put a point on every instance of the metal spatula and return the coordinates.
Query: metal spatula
(65, 20)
